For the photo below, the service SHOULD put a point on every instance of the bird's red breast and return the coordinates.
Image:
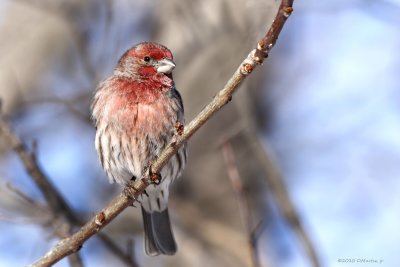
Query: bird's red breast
(136, 105)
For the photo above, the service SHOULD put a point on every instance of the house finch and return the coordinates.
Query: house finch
(135, 112)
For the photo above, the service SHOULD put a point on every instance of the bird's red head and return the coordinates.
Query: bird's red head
(145, 61)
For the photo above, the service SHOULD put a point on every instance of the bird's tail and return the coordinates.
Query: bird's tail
(158, 237)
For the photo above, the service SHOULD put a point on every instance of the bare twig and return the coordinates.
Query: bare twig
(75, 260)
(25, 197)
(128, 259)
(126, 198)
(73, 243)
(53, 197)
(244, 208)
(276, 184)
(42, 212)
(286, 206)
(265, 44)
(274, 179)
(273, 176)
(68, 105)
(56, 202)
(212, 235)
(61, 212)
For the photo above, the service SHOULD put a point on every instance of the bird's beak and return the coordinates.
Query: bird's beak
(165, 66)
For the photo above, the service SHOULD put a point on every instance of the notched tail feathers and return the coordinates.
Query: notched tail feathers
(159, 238)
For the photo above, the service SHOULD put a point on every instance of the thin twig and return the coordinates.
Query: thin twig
(210, 234)
(68, 105)
(44, 214)
(275, 181)
(282, 197)
(61, 212)
(58, 207)
(53, 197)
(132, 192)
(273, 176)
(73, 243)
(244, 208)
(128, 259)
(75, 260)
(265, 45)
(25, 197)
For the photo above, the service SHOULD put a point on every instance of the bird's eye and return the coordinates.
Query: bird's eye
(146, 58)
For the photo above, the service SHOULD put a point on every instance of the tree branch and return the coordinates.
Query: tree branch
(50, 193)
(276, 184)
(126, 198)
(59, 208)
(61, 212)
(244, 208)
(285, 204)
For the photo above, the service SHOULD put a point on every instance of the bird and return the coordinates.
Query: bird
(135, 112)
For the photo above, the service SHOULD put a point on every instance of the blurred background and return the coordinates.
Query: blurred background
(314, 132)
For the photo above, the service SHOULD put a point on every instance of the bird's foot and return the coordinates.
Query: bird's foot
(155, 178)
(179, 128)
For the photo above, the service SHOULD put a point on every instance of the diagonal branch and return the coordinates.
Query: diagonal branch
(60, 210)
(51, 194)
(282, 197)
(126, 198)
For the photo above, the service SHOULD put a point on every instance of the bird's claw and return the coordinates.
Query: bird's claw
(155, 178)
(179, 128)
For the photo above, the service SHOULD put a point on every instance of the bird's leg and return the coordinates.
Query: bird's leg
(179, 128)
(155, 178)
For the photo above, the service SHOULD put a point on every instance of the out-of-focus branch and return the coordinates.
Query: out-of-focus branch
(15, 198)
(131, 192)
(25, 197)
(80, 38)
(276, 184)
(53, 197)
(56, 202)
(62, 214)
(75, 260)
(244, 208)
(211, 235)
(68, 105)
(279, 191)
(274, 179)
